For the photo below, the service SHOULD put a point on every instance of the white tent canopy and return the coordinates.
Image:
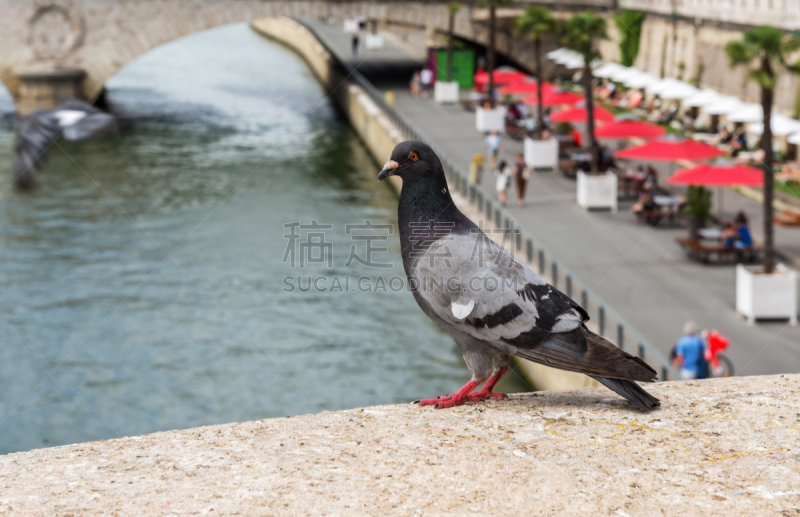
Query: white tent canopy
(746, 113)
(781, 126)
(724, 105)
(640, 80)
(794, 138)
(621, 75)
(671, 88)
(702, 98)
(573, 62)
(606, 70)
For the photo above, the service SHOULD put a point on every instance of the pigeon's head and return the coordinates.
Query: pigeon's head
(410, 160)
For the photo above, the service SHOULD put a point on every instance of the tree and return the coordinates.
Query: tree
(629, 25)
(583, 31)
(765, 51)
(493, 5)
(452, 10)
(538, 21)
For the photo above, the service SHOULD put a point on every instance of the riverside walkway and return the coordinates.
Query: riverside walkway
(636, 269)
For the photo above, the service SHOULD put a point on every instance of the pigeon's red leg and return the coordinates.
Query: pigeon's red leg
(456, 398)
(486, 391)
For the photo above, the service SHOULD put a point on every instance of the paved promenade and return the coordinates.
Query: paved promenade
(636, 269)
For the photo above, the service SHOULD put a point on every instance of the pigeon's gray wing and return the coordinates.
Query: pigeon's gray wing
(480, 289)
(35, 134)
(73, 119)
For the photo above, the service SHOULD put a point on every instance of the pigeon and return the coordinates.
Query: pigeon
(73, 119)
(493, 305)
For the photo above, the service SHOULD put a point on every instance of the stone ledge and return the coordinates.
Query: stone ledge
(727, 446)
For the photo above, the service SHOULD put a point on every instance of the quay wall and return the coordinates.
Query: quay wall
(716, 447)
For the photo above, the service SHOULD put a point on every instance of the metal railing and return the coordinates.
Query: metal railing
(603, 319)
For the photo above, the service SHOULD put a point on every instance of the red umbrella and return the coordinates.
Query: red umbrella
(671, 151)
(629, 129)
(719, 175)
(555, 98)
(579, 115)
(525, 87)
(500, 77)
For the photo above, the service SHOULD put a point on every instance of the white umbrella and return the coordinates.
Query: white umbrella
(781, 126)
(640, 80)
(553, 54)
(671, 88)
(702, 98)
(607, 69)
(746, 113)
(724, 105)
(573, 62)
(623, 74)
(794, 138)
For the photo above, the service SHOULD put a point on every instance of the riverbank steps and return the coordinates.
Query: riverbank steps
(716, 447)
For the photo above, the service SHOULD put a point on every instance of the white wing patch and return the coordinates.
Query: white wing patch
(68, 117)
(462, 310)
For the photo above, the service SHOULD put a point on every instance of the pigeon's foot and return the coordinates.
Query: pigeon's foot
(486, 392)
(456, 399)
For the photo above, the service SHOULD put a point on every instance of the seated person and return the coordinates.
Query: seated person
(725, 136)
(744, 238)
(645, 203)
(635, 99)
(651, 178)
(728, 238)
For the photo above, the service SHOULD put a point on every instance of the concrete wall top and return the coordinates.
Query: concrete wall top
(721, 447)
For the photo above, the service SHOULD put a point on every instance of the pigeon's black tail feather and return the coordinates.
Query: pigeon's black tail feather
(631, 391)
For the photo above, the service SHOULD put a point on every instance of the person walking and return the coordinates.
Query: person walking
(354, 42)
(494, 144)
(521, 174)
(476, 168)
(415, 85)
(690, 354)
(503, 175)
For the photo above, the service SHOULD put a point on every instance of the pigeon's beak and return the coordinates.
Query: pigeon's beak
(388, 170)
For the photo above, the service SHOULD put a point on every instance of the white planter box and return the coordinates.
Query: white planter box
(597, 191)
(766, 296)
(445, 93)
(541, 154)
(351, 25)
(490, 120)
(374, 41)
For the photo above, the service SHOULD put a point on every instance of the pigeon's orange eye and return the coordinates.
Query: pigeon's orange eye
(413, 156)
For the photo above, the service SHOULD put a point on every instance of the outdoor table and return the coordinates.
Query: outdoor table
(668, 201)
(711, 234)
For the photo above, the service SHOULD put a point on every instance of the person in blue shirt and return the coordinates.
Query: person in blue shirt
(728, 238)
(744, 238)
(690, 353)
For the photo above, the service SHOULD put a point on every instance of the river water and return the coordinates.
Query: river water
(143, 286)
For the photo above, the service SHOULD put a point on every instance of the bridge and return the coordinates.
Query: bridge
(81, 44)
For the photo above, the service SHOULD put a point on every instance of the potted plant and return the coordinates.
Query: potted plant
(447, 91)
(767, 291)
(697, 209)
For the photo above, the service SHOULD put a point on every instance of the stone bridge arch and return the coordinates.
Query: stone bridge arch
(101, 37)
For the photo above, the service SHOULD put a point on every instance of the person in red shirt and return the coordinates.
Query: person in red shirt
(576, 135)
